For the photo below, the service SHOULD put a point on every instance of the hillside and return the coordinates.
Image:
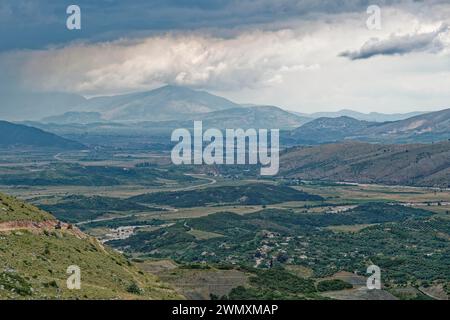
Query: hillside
(416, 164)
(74, 117)
(268, 117)
(251, 194)
(16, 135)
(286, 242)
(36, 249)
(371, 117)
(433, 126)
(76, 208)
(324, 130)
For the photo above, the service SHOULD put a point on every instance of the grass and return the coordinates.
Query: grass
(34, 264)
(42, 260)
(12, 209)
(300, 271)
(349, 228)
(204, 235)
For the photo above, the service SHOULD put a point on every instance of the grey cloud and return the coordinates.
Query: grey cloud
(400, 45)
(28, 24)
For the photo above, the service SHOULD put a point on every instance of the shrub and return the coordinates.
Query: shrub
(333, 285)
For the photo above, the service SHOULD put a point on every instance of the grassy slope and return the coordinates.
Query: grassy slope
(33, 263)
(12, 209)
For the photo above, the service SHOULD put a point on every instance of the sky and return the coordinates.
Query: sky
(301, 55)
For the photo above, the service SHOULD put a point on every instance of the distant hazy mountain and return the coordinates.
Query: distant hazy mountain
(166, 103)
(175, 106)
(373, 116)
(429, 127)
(269, 117)
(324, 130)
(433, 126)
(414, 164)
(35, 106)
(16, 135)
(74, 117)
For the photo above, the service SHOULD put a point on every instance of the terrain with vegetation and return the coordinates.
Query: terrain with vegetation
(249, 194)
(412, 164)
(426, 127)
(36, 250)
(92, 184)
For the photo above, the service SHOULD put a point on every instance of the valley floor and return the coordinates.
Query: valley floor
(262, 238)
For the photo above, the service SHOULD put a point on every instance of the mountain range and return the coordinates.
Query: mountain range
(372, 116)
(158, 112)
(175, 103)
(75, 117)
(428, 127)
(269, 117)
(177, 107)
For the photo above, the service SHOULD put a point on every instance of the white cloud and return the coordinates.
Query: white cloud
(400, 45)
(250, 59)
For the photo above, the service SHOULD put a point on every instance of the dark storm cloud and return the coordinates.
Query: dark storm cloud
(33, 24)
(400, 45)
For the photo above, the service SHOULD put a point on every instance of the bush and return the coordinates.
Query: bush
(15, 283)
(333, 285)
(134, 288)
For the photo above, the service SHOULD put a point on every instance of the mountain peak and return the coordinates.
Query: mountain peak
(168, 102)
(174, 88)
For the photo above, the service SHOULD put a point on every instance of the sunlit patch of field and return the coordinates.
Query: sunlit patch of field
(197, 212)
(300, 271)
(204, 235)
(156, 266)
(98, 232)
(349, 228)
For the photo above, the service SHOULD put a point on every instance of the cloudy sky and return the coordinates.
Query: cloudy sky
(302, 55)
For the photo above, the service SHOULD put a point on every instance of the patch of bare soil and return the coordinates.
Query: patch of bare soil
(359, 291)
(40, 227)
(435, 292)
(200, 284)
